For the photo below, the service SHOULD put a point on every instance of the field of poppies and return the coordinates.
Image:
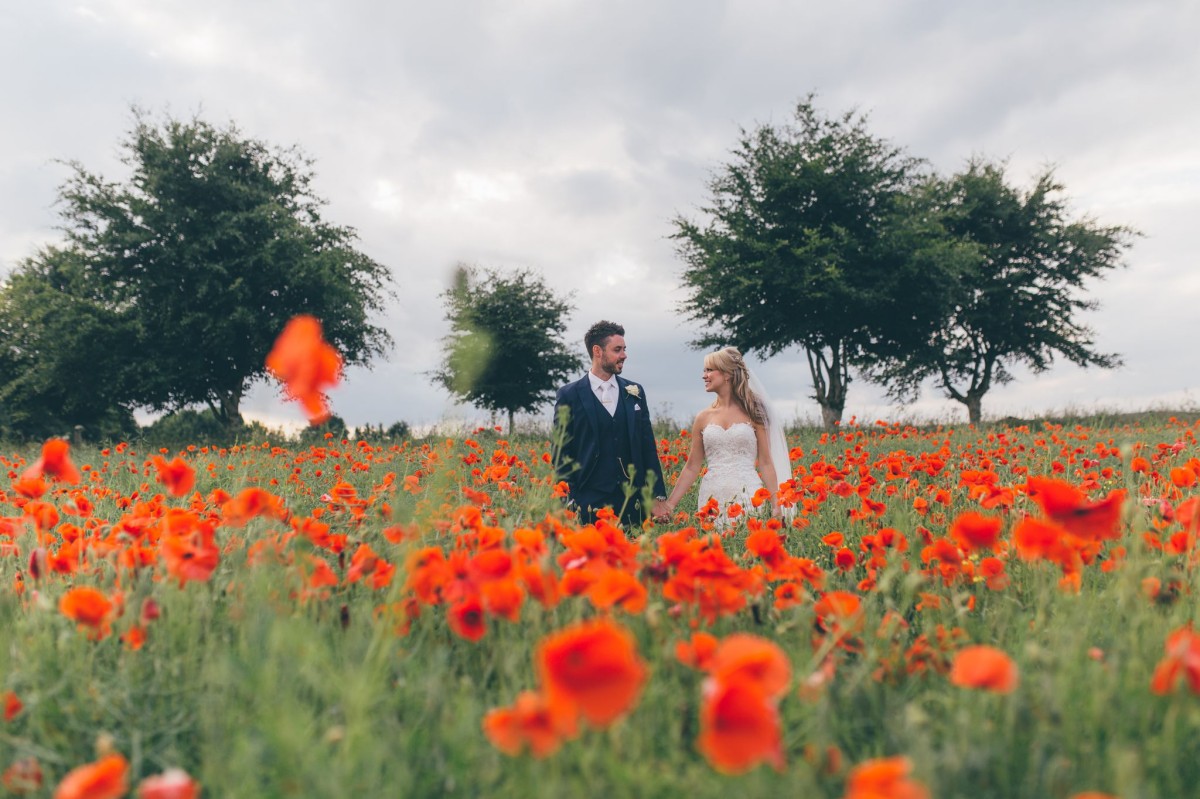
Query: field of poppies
(1003, 612)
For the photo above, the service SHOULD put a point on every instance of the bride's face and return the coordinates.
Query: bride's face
(714, 379)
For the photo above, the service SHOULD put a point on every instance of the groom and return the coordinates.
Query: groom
(607, 454)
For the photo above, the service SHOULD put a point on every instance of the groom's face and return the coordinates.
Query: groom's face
(611, 357)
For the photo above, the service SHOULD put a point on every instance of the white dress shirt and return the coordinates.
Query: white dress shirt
(606, 391)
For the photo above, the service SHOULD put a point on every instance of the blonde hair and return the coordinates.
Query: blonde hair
(728, 361)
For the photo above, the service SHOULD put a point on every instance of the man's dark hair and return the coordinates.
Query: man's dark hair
(600, 333)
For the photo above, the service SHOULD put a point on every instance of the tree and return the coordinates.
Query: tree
(200, 258)
(810, 240)
(1018, 298)
(505, 350)
(63, 348)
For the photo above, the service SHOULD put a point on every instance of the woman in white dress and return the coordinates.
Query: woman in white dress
(738, 437)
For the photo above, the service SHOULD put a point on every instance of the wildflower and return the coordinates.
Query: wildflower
(104, 779)
(306, 365)
(698, 652)
(177, 475)
(590, 669)
(466, 619)
(747, 658)
(1182, 659)
(89, 608)
(984, 667)
(884, 778)
(22, 776)
(974, 531)
(12, 705)
(739, 726)
(527, 723)
(54, 463)
(618, 588)
(839, 612)
(1068, 507)
(171, 784)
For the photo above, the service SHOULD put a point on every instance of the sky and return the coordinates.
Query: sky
(565, 136)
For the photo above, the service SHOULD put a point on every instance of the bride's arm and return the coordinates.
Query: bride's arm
(766, 466)
(691, 469)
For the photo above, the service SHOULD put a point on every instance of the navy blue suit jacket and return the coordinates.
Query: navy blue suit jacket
(576, 455)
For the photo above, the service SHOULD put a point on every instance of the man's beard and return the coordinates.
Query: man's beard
(613, 367)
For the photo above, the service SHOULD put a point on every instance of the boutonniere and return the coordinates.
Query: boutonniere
(633, 390)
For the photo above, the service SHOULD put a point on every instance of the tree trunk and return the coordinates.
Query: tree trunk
(510, 422)
(831, 417)
(974, 404)
(229, 411)
(830, 377)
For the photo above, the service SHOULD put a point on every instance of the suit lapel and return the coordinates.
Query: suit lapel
(630, 414)
(587, 400)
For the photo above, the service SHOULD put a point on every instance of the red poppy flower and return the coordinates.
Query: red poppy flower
(12, 705)
(306, 365)
(884, 778)
(176, 475)
(1068, 507)
(55, 463)
(742, 657)
(171, 784)
(104, 779)
(984, 667)
(593, 669)
(1182, 659)
(527, 723)
(89, 608)
(23, 776)
(974, 531)
(739, 727)
(466, 619)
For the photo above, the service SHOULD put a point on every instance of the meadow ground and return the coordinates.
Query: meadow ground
(1004, 612)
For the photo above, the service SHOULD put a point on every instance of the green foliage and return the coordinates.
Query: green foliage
(809, 240)
(396, 431)
(179, 429)
(1017, 297)
(189, 270)
(63, 353)
(505, 350)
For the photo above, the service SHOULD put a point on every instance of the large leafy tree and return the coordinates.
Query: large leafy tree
(810, 239)
(1018, 296)
(200, 258)
(64, 352)
(505, 350)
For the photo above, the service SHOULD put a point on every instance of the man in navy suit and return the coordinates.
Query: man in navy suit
(605, 449)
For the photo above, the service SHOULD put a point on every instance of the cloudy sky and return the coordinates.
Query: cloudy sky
(564, 136)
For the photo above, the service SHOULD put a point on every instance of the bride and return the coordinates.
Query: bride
(738, 436)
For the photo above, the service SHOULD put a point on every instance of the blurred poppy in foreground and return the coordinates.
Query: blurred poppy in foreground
(1068, 507)
(54, 463)
(171, 784)
(306, 365)
(527, 723)
(176, 475)
(884, 778)
(1182, 659)
(591, 669)
(104, 779)
(89, 608)
(985, 668)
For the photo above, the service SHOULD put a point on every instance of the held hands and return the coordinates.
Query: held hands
(661, 511)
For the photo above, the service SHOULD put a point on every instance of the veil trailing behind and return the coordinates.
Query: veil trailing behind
(780, 456)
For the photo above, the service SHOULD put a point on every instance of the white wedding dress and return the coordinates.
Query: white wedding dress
(731, 454)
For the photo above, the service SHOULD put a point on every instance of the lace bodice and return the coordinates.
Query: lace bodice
(730, 453)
